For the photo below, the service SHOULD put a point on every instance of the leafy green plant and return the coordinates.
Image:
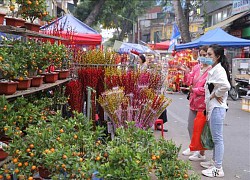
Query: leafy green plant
(31, 10)
(7, 66)
(135, 153)
(6, 114)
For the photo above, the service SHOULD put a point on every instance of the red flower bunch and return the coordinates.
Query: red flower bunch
(74, 91)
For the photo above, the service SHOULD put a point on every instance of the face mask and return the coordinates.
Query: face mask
(206, 60)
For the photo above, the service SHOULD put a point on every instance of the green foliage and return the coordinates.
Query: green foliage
(7, 65)
(108, 16)
(32, 9)
(135, 154)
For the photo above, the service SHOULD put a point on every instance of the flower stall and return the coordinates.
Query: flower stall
(57, 129)
(176, 76)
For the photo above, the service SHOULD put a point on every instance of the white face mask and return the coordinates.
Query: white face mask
(206, 60)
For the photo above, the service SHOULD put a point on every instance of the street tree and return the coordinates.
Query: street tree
(182, 11)
(118, 14)
(182, 21)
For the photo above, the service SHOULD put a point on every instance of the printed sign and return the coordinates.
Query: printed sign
(240, 6)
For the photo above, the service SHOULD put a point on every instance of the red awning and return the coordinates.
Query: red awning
(160, 46)
(87, 39)
(78, 38)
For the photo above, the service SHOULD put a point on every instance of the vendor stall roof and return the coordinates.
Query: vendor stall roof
(82, 33)
(128, 47)
(215, 36)
(164, 45)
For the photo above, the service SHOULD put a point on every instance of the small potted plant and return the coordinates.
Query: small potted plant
(21, 54)
(7, 72)
(34, 62)
(61, 58)
(14, 20)
(47, 58)
(31, 10)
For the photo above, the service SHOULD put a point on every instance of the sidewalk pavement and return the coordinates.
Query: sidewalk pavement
(177, 130)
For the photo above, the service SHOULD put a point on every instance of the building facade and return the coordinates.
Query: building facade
(156, 25)
(233, 16)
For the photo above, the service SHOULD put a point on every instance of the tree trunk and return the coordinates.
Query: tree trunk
(181, 22)
(92, 16)
(123, 30)
(75, 2)
(186, 11)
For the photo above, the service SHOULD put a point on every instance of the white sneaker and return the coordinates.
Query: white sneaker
(197, 157)
(207, 164)
(213, 172)
(187, 152)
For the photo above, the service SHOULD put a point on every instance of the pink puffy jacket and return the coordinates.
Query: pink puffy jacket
(197, 97)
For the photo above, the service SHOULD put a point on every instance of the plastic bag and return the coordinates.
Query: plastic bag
(199, 122)
(206, 137)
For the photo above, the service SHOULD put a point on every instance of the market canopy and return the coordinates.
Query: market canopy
(160, 46)
(71, 26)
(128, 47)
(215, 36)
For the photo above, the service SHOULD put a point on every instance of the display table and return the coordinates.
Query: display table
(33, 90)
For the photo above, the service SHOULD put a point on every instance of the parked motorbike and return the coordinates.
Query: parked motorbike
(242, 88)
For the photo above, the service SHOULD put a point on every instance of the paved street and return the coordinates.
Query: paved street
(236, 136)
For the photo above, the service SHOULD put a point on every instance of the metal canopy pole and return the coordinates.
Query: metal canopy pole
(89, 89)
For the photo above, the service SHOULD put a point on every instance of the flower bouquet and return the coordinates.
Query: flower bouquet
(143, 106)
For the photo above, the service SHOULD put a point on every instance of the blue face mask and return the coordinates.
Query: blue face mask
(206, 60)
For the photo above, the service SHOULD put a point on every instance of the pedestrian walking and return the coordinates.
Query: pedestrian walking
(216, 93)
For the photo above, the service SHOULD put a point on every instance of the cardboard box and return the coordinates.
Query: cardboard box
(242, 76)
(245, 104)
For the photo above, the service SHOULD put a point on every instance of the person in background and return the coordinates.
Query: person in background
(142, 63)
(216, 93)
(196, 80)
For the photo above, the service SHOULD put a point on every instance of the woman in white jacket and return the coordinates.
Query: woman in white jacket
(216, 93)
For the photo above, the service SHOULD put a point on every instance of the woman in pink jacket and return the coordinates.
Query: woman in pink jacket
(196, 80)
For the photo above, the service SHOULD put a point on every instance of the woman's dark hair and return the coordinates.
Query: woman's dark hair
(142, 57)
(219, 52)
(204, 48)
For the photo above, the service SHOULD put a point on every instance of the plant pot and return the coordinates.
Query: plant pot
(36, 81)
(5, 139)
(50, 77)
(32, 27)
(14, 21)
(8, 88)
(63, 74)
(24, 84)
(2, 18)
(44, 172)
(3, 155)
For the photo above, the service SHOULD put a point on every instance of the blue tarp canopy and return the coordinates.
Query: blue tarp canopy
(128, 47)
(215, 36)
(5, 36)
(68, 22)
(83, 34)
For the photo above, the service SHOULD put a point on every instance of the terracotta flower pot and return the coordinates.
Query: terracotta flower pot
(44, 172)
(37, 81)
(63, 74)
(14, 21)
(3, 155)
(8, 88)
(24, 84)
(50, 77)
(2, 18)
(32, 27)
